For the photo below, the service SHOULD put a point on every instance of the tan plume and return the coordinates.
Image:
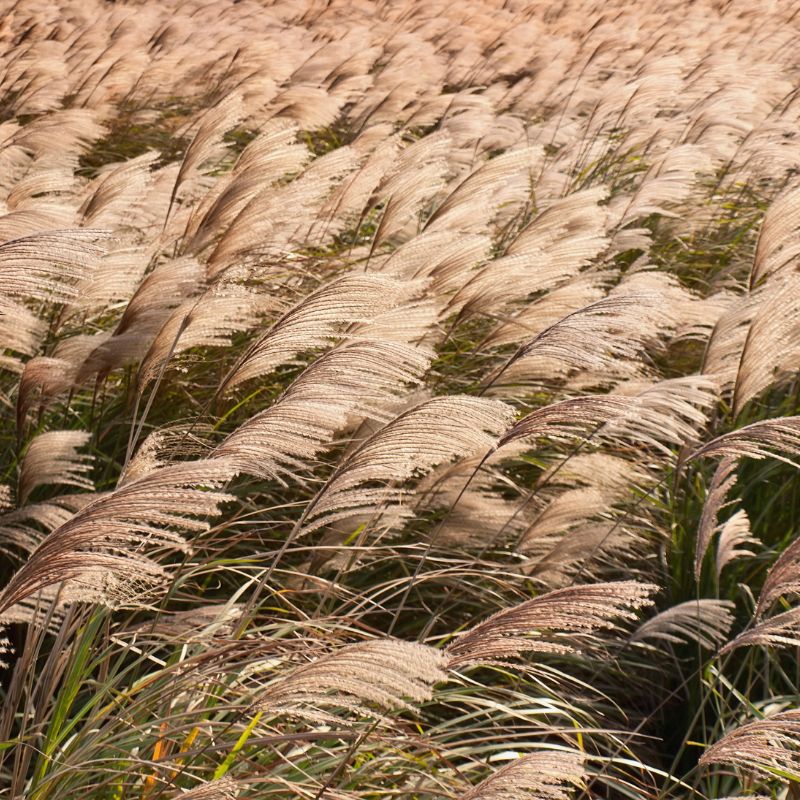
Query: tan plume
(733, 534)
(353, 380)
(705, 622)
(716, 499)
(108, 539)
(767, 746)
(318, 320)
(544, 775)
(385, 674)
(429, 434)
(53, 457)
(549, 623)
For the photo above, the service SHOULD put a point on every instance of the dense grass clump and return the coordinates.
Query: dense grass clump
(400, 400)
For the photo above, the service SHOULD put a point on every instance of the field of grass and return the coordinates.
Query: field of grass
(399, 399)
